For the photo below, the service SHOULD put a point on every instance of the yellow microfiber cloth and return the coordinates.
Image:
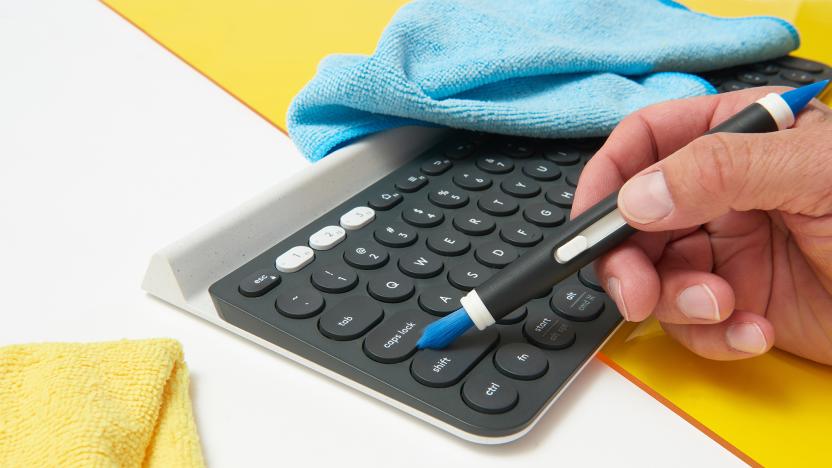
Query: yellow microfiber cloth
(122, 403)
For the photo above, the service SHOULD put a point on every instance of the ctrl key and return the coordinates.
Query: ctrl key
(489, 393)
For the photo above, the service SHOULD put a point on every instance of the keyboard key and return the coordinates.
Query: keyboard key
(259, 283)
(798, 76)
(541, 170)
(294, 259)
(752, 78)
(327, 238)
(395, 339)
(549, 332)
(498, 204)
(440, 300)
(516, 316)
(350, 318)
(563, 155)
(732, 85)
(448, 243)
(459, 149)
(422, 215)
(577, 303)
(800, 64)
(436, 166)
(474, 223)
(419, 263)
(561, 195)
(766, 68)
(448, 199)
(495, 254)
(412, 183)
(572, 179)
(544, 214)
(446, 367)
(366, 255)
(490, 394)
(589, 278)
(520, 187)
(468, 275)
(334, 278)
(357, 218)
(520, 234)
(516, 148)
(470, 180)
(521, 361)
(495, 164)
(395, 235)
(300, 303)
(390, 287)
(385, 200)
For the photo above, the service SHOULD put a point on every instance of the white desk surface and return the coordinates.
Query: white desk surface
(111, 148)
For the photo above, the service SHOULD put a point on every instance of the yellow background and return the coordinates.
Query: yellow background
(775, 409)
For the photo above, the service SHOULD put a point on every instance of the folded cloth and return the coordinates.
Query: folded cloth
(538, 68)
(122, 403)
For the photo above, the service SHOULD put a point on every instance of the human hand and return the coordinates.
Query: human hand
(737, 256)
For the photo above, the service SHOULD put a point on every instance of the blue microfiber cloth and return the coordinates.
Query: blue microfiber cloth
(538, 68)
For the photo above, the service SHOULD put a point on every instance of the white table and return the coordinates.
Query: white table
(110, 148)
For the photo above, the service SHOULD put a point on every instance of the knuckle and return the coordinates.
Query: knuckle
(716, 163)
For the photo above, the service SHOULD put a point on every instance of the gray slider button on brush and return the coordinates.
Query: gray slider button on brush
(445, 367)
(395, 339)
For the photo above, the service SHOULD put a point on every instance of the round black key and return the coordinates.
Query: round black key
(800, 64)
(541, 170)
(487, 393)
(470, 180)
(366, 255)
(544, 214)
(520, 234)
(732, 85)
(260, 282)
(497, 204)
(521, 187)
(350, 318)
(766, 68)
(412, 183)
(517, 315)
(521, 361)
(383, 201)
(422, 215)
(549, 332)
(495, 254)
(561, 195)
(517, 148)
(468, 275)
(300, 303)
(419, 263)
(563, 155)
(334, 278)
(459, 149)
(752, 78)
(436, 166)
(588, 277)
(447, 198)
(440, 300)
(390, 287)
(495, 164)
(449, 243)
(395, 234)
(798, 76)
(474, 223)
(572, 179)
(577, 303)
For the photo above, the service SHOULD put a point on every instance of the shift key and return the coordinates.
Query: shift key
(395, 339)
(445, 367)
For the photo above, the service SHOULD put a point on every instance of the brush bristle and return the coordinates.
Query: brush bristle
(441, 333)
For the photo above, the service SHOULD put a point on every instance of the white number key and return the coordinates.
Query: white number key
(357, 217)
(327, 237)
(294, 259)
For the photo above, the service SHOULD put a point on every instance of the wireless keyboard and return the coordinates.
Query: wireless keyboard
(353, 289)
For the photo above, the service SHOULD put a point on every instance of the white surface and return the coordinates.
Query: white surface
(112, 148)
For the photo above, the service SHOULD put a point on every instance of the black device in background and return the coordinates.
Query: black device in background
(439, 226)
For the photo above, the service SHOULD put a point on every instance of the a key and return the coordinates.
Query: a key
(577, 303)
(521, 361)
(563, 155)
(395, 234)
(448, 243)
(395, 339)
(755, 79)
(520, 187)
(259, 283)
(473, 222)
(390, 287)
(294, 259)
(572, 179)
(300, 303)
(436, 166)
(357, 218)
(459, 149)
(520, 234)
(366, 255)
(471, 180)
(422, 215)
(588, 277)
(732, 85)
(516, 316)
(385, 200)
(798, 76)
(766, 68)
(412, 183)
(541, 170)
(800, 64)
(350, 318)
(327, 237)
(561, 195)
(488, 393)
(334, 278)
(544, 214)
(440, 300)
(419, 263)
(497, 204)
(446, 367)
(516, 148)
(446, 198)
(549, 332)
(495, 164)
(495, 254)
(468, 275)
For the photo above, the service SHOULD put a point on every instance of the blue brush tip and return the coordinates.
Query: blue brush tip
(798, 98)
(441, 333)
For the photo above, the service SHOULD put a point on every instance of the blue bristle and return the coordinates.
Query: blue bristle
(441, 333)
(798, 98)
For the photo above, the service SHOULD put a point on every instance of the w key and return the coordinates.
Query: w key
(445, 367)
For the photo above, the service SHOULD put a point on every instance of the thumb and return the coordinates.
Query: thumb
(726, 172)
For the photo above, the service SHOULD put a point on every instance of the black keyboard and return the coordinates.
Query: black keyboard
(353, 289)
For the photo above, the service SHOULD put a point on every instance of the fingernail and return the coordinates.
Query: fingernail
(646, 199)
(698, 302)
(746, 338)
(614, 288)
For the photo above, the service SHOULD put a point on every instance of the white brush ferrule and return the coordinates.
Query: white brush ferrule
(478, 312)
(779, 110)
